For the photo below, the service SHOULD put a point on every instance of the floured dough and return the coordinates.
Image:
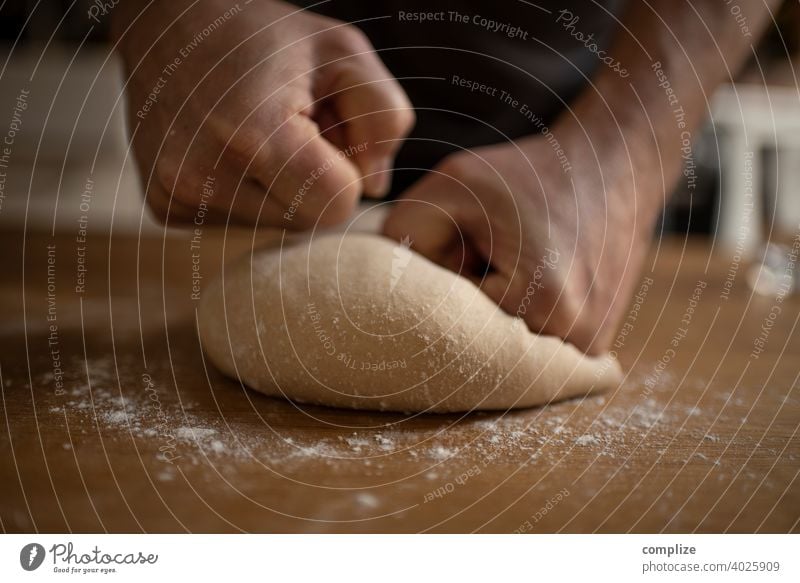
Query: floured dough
(363, 322)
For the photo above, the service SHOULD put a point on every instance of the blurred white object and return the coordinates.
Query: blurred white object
(751, 119)
(71, 137)
(776, 274)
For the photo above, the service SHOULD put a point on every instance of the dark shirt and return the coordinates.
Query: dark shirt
(507, 45)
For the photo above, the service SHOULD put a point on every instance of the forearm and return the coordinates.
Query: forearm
(642, 124)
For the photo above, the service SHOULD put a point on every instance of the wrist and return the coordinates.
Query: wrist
(618, 155)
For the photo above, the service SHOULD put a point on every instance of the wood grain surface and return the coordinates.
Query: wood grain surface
(113, 422)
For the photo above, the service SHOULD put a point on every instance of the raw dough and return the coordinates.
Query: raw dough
(363, 322)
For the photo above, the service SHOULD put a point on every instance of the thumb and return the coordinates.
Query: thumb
(434, 225)
(430, 221)
(428, 228)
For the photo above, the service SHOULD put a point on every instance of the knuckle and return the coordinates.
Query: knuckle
(288, 103)
(244, 141)
(166, 172)
(339, 208)
(354, 39)
(249, 144)
(400, 122)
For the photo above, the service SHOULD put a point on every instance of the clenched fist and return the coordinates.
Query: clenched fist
(265, 113)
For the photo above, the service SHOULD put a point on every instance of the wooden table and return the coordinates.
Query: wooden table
(136, 433)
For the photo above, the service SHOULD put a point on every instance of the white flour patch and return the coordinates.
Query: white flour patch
(587, 440)
(367, 500)
(601, 426)
(194, 433)
(442, 453)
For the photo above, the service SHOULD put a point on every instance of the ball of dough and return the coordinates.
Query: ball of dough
(361, 321)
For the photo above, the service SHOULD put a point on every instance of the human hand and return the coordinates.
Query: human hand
(273, 100)
(559, 248)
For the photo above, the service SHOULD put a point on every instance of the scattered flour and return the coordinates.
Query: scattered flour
(587, 440)
(442, 453)
(546, 435)
(367, 500)
(194, 433)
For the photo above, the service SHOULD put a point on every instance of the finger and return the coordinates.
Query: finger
(304, 173)
(431, 217)
(377, 116)
(430, 226)
(208, 189)
(464, 240)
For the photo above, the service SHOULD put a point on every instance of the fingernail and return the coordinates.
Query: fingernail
(379, 178)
